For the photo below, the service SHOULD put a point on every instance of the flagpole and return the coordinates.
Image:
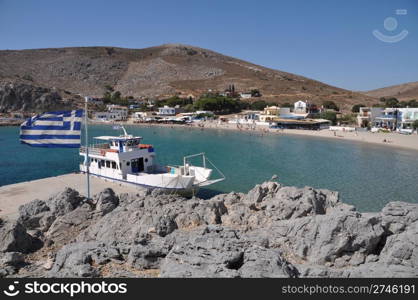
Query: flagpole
(87, 160)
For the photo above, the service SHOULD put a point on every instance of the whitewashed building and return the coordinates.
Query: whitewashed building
(300, 107)
(400, 119)
(245, 95)
(166, 111)
(113, 113)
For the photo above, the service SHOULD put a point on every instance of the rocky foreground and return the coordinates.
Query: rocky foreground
(273, 231)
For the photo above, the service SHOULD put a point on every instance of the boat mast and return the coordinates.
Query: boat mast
(87, 161)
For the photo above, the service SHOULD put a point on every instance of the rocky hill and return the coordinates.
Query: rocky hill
(273, 231)
(161, 71)
(24, 95)
(406, 91)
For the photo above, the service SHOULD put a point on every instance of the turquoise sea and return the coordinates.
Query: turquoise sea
(367, 176)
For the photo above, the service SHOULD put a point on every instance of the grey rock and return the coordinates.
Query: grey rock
(260, 192)
(31, 213)
(106, 201)
(66, 228)
(165, 225)
(64, 202)
(324, 238)
(11, 259)
(7, 271)
(14, 238)
(260, 262)
(146, 257)
(396, 216)
(273, 231)
(402, 248)
(379, 269)
(215, 251)
(82, 259)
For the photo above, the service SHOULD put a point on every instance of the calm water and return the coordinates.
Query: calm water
(365, 175)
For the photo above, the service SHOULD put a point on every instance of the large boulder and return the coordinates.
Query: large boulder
(31, 213)
(67, 227)
(270, 202)
(402, 248)
(14, 238)
(39, 214)
(396, 216)
(323, 239)
(82, 259)
(215, 251)
(64, 202)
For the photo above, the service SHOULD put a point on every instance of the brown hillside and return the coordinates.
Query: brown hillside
(406, 91)
(162, 71)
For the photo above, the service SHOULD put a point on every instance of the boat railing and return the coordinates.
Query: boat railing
(95, 149)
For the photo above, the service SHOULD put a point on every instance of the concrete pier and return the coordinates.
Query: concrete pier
(14, 195)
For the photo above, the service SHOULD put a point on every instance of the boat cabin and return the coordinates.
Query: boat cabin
(119, 156)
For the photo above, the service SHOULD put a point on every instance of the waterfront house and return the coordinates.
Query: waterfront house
(368, 115)
(113, 113)
(166, 111)
(396, 118)
(269, 114)
(245, 117)
(120, 111)
(408, 116)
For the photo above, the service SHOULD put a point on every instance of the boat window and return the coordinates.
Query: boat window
(107, 164)
(146, 160)
(102, 163)
(128, 163)
(113, 165)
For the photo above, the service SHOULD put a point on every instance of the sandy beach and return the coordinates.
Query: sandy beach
(385, 139)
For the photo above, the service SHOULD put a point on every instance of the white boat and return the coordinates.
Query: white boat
(126, 160)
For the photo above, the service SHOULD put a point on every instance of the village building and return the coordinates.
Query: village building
(113, 113)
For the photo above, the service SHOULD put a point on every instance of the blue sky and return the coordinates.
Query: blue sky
(327, 40)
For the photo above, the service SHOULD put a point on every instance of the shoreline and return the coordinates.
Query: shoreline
(393, 140)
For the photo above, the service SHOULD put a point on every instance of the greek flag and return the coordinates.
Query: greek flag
(53, 129)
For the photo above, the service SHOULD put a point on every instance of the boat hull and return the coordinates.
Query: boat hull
(189, 191)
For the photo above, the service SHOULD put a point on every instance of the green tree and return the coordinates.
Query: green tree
(356, 108)
(415, 125)
(412, 103)
(258, 105)
(348, 119)
(392, 102)
(329, 115)
(219, 104)
(330, 105)
(188, 108)
(287, 104)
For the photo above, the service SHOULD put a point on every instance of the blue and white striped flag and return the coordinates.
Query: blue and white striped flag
(53, 129)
